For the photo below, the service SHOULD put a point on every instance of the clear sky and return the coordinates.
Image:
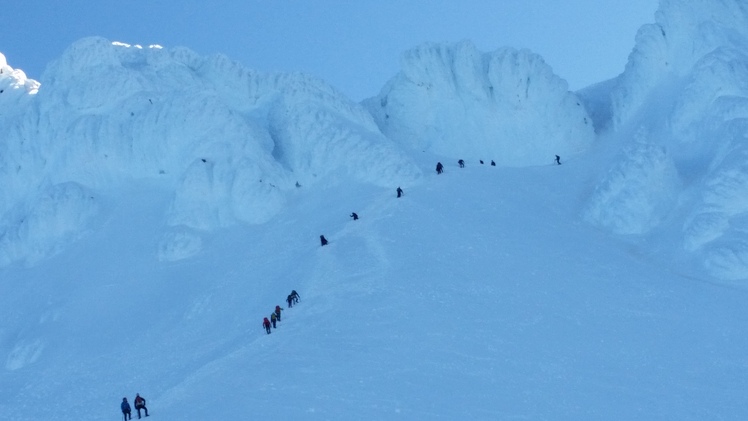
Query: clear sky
(352, 44)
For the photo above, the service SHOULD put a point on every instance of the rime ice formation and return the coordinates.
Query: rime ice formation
(506, 105)
(13, 82)
(229, 144)
(684, 34)
(637, 193)
(129, 160)
(685, 92)
(58, 215)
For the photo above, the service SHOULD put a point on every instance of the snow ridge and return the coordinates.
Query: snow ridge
(228, 143)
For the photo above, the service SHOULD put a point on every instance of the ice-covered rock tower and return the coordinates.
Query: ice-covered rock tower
(226, 143)
(507, 105)
(682, 107)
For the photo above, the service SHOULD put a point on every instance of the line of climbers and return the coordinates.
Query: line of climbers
(275, 316)
(461, 163)
(439, 169)
(292, 298)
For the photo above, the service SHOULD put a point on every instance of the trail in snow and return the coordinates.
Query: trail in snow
(469, 304)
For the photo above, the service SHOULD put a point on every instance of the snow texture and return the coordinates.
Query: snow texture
(14, 83)
(686, 87)
(231, 143)
(666, 51)
(637, 193)
(57, 216)
(156, 205)
(507, 106)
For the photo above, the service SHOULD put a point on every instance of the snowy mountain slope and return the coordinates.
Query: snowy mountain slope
(506, 105)
(232, 143)
(150, 219)
(473, 296)
(683, 98)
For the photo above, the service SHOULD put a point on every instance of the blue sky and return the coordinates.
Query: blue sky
(353, 45)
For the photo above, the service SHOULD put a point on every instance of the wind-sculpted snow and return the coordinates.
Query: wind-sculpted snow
(507, 105)
(714, 94)
(229, 144)
(637, 193)
(666, 51)
(55, 216)
(16, 91)
(717, 228)
(686, 83)
(14, 83)
(482, 279)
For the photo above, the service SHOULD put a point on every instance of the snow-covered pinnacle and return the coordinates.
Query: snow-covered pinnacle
(14, 81)
(506, 105)
(685, 91)
(229, 143)
(666, 51)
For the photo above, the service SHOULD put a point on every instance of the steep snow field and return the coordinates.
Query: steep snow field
(478, 295)
(155, 205)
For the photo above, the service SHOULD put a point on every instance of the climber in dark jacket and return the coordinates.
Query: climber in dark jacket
(278, 310)
(126, 412)
(266, 325)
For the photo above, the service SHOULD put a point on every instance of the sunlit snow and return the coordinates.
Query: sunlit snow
(156, 205)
